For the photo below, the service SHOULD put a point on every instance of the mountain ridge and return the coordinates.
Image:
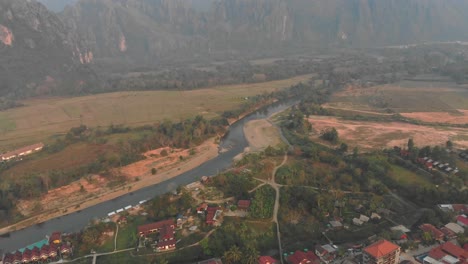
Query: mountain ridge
(42, 52)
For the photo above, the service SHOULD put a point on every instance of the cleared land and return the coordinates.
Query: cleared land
(41, 118)
(261, 134)
(430, 102)
(378, 135)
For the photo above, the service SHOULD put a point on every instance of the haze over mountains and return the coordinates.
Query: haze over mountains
(36, 43)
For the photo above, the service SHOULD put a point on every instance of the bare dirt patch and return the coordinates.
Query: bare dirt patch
(461, 117)
(261, 134)
(377, 135)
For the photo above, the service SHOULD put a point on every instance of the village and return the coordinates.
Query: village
(428, 244)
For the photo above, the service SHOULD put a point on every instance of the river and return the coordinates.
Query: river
(234, 141)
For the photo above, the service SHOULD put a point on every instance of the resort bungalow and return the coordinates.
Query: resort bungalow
(148, 229)
(436, 233)
(243, 204)
(35, 254)
(65, 249)
(55, 238)
(166, 245)
(44, 255)
(26, 256)
(21, 152)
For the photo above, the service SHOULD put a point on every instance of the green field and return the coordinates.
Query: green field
(406, 177)
(41, 118)
(405, 96)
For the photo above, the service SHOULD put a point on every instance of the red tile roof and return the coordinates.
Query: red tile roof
(144, 229)
(169, 243)
(455, 250)
(381, 248)
(437, 253)
(463, 219)
(243, 204)
(460, 208)
(17, 152)
(55, 236)
(447, 232)
(300, 257)
(211, 212)
(267, 260)
(436, 233)
(449, 249)
(166, 232)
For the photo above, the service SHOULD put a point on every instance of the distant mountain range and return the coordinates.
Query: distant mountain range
(146, 32)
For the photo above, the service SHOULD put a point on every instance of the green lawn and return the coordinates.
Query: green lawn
(406, 177)
(128, 233)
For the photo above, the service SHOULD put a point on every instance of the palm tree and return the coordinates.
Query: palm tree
(251, 255)
(233, 255)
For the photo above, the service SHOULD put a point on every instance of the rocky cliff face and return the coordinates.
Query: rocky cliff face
(144, 30)
(36, 43)
(36, 49)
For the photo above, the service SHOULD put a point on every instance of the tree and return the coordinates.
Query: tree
(355, 152)
(427, 238)
(449, 144)
(233, 255)
(410, 144)
(343, 148)
(330, 135)
(153, 171)
(251, 255)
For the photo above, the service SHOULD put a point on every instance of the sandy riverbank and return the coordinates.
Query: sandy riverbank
(89, 192)
(260, 134)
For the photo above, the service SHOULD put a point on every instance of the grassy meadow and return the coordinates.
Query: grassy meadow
(40, 119)
(405, 96)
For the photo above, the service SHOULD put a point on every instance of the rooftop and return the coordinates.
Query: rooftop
(154, 226)
(381, 248)
(267, 260)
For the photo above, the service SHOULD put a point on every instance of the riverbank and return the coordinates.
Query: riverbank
(138, 174)
(260, 134)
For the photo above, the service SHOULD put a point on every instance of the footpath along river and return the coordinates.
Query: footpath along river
(234, 142)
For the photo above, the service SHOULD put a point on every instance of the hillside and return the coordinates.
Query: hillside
(38, 54)
(43, 53)
(145, 30)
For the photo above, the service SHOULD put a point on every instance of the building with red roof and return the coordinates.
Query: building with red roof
(35, 254)
(26, 255)
(8, 258)
(267, 260)
(449, 234)
(212, 214)
(243, 204)
(460, 208)
(55, 238)
(21, 152)
(300, 257)
(202, 208)
(381, 252)
(166, 245)
(449, 251)
(462, 220)
(147, 229)
(436, 233)
(44, 254)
